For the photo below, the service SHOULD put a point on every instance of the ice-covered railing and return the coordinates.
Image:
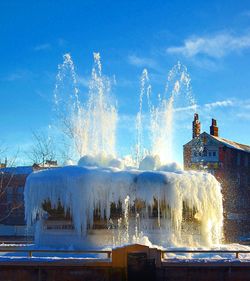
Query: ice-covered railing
(85, 189)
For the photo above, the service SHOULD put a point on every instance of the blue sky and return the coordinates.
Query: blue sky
(212, 38)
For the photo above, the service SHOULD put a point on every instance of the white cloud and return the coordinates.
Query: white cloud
(83, 81)
(224, 103)
(61, 42)
(208, 106)
(246, 13)
(244, 115)
(42, 47)
(186, 108)
(21, 74)
(215, 46)
(141, 62)
(14, 76)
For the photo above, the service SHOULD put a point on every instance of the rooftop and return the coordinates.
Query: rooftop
(233, 144)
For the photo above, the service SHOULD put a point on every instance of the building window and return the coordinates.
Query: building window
(245, 180)
(214, 153)
(9, 194)
(246, 161)
(238, 179)
(238, 159)
(209, 154)
(19, 194)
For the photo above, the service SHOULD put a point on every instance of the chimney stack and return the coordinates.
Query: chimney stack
(214, 130)
(196, 126)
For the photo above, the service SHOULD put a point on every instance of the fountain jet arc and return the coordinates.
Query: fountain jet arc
(87, 126)
(160, 114)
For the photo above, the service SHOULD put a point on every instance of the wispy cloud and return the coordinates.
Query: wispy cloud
(42, 47)
(186, 108)
(244, 115)
(13, 76)
(83, 81)
(58, 43)
(245, 13)
(214, 46)
(208, 107)
(223, 103)
(141, 61)
(61, 42)
(127, 121)
(22, 74)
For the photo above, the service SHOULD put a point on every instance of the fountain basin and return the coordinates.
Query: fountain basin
(103, 207)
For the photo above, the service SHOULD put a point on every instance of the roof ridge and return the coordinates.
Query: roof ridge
(237, 145)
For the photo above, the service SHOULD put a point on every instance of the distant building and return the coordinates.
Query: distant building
(12, 183)
(229, 162)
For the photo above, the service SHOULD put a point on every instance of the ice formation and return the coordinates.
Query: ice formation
(81, 190)
(150, 163)
(101, 160)
(152, 203)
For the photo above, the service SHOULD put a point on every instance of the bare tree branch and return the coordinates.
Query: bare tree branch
(42, 150)
(6, 177)
(15, 207)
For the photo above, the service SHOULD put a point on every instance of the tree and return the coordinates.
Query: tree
(2, 151)
(42, 150)
(8, 185)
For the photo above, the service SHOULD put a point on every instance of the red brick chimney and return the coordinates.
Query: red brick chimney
(214, 130)
(196, 126)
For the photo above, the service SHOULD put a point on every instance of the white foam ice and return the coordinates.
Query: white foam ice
(160, 198)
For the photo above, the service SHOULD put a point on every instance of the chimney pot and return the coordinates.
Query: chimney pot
(214, 130)
(196, 126)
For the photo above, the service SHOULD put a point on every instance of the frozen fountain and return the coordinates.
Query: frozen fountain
(102, 203)
(96, 206)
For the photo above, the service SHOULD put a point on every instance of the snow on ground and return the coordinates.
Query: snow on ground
(170, 257)
(215, 256)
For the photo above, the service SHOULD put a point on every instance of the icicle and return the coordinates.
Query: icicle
(83, 191)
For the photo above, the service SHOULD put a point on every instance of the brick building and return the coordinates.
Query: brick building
(11, 200)
(12, 183)
(229, 162)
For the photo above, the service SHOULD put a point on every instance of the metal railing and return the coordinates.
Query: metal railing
(108, 253)
(15, 242)
(236, 252)
(32, 251)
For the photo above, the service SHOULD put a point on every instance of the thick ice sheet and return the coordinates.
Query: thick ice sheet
(83, 189)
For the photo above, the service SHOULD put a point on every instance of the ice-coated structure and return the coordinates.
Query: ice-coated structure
(109, 206)
(104, 201)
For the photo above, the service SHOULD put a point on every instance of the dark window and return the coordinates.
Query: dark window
(238, 159)
(238, 178)
(245, 180)
(246, 160)
(214, 153)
